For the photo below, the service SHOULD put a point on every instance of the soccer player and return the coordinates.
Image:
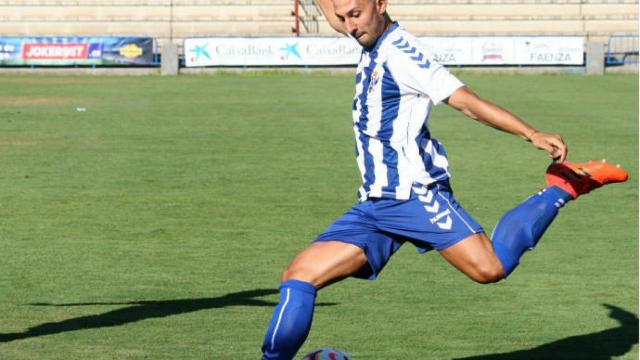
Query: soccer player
(405, 195)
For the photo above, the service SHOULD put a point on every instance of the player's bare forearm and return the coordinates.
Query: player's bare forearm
(493, 115)
(327, 10)
(488, 113)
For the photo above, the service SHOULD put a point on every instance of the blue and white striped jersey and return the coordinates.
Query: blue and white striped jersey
(397, 84)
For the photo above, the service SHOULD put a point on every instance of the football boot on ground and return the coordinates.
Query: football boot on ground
(580, 178)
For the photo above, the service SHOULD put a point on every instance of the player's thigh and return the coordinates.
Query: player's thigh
(325, 262)
(475, 257)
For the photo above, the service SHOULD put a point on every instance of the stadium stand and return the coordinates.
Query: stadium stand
(164, 19)
(173, 20)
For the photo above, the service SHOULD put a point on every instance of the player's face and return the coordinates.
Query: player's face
(365, 20)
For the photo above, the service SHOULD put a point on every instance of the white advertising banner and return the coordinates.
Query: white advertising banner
(332, 51)
(507, 50)
(271, 51)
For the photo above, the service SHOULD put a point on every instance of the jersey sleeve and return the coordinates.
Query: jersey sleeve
(421, 73)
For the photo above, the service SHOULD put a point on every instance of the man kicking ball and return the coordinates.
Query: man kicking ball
(405, 195)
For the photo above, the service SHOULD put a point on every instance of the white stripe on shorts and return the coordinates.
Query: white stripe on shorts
(455, 211)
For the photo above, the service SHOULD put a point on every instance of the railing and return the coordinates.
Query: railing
(622, 50)
(306, 14)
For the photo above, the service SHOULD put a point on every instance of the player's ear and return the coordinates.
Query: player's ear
(381, 5)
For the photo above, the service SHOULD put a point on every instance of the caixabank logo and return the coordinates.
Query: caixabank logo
(289, 50)
(199, 52)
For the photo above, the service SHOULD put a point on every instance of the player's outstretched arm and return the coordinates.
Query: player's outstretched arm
(493, 115)
(327, 9)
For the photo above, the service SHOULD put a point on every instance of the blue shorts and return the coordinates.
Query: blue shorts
(430, 219)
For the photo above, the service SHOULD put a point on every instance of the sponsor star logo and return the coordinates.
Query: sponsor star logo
(290, 49)
(199, 50)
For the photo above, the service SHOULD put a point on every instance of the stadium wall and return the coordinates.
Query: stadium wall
(173, 21)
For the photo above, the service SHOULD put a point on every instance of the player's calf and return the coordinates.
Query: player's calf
(291, 321)
(521, 228)
(318, 265)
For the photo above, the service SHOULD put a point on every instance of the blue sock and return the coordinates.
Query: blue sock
(291, 320)
(521, 228)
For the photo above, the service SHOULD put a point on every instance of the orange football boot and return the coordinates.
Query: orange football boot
(580, 178)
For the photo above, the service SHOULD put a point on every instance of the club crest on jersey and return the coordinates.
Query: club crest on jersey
(375, 78)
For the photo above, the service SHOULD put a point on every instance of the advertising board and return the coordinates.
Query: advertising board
(337, 51)
(65, 51)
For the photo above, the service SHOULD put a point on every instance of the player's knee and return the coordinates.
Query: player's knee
(299, 273)
(487, 274)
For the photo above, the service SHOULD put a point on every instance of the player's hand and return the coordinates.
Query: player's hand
(552, 143)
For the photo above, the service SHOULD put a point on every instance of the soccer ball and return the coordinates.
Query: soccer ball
(327, 353)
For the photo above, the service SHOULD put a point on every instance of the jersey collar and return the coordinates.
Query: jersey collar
(394, 25)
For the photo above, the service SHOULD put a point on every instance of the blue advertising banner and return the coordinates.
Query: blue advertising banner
(65, 51)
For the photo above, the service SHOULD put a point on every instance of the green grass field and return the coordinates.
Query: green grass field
(155, 224)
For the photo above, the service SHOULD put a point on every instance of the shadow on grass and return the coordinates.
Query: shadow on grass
(141, 310)
(602, 345)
